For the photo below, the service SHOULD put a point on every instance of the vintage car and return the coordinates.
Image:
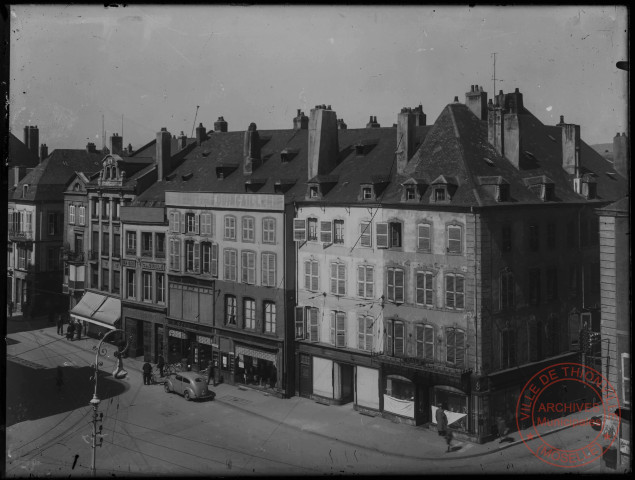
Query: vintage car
(191, 385)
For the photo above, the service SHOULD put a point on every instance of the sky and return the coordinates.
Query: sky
(171, 66)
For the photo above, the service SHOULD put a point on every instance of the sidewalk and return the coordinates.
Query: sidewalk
(341, 423)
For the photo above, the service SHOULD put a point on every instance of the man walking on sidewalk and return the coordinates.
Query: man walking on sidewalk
(147, 374)
(442, 425)
(60, 324)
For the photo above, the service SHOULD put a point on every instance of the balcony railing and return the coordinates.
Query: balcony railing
(21, 235)
(76, 284)
(420, 364)
(74, 257)
(93, 255)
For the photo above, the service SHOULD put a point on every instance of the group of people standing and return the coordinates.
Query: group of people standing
(74, 329)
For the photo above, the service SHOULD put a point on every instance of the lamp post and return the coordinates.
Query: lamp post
(118, 372)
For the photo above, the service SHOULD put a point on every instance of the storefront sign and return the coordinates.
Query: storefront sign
(250, 201)
(190, 326)
(204, 340)
(129, 263)
(177, 334)
(153, 266)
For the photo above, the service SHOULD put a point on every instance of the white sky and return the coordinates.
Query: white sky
(155, 64)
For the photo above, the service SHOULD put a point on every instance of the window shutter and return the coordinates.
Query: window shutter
(334, 278)
(428, 342)
(390, 284)
(314, 276)
(449, 291)
(361, 277)
(429, 288)
(459, 295)
(181, 217)
(333, 328)
(389, 345)
(460, 348)
(399, 286)
(361, 332)
(382, 235)
(214, 260)
(326, 232)
(370, 282)
(197, 222)
(307, 275)
(399, 338)
(313, 328)
(419, 341)
(245, 267)
(299, 323)
(226, 264)
(197, 257)
(341, 279)
(419, 289)
(299, 230)
(450, 345)
(341, 329)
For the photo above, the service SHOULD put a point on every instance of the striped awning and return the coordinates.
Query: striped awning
(255, 353)
(98, 309)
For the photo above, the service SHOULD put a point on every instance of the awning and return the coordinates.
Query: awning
(98, 309)
(252, 352)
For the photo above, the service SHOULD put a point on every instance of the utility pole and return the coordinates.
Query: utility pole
(194, 124)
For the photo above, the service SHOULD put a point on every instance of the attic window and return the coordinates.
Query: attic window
(411, 193)
(171, 176)
(548, 192)
(440, 194)
(589, 190)
(359, 149)
(287, 155)
(205, 153)
(367, 193)
(25, 189)
(187, 176)
(313, 191)
(220, 174)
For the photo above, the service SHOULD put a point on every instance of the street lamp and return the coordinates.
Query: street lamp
(118, 372)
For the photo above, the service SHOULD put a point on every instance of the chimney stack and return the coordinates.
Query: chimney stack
(511, 138)
(372, 123)
(251, 149)
(420, 117)
(32, 138)
(571, 149)
(163, 153)
(44, 152)
(476, 101)
(341, 125)
(323, 146)
(301, 121)
(182, 142)
(495, 134)
(91, 148)
(116, 144)
(220, 125)
(405, 138)
(620, 154)
(201, 134)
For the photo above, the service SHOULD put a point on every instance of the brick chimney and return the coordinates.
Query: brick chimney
(323, 146)
(420, 117)
(116, 144)
(163, 153)
(182, 141)
(44, 152)
(91, 148)
(220, 125)
(32, 138)
(571, 148)
(301, 121)
(372, 123)
(495, 134)
(405, 137)
(251, 149)
(476, 101)
(620, 154)
(201, 134)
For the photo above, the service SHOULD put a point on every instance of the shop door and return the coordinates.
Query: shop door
(147, 341)
(306, 380)
(422, 405)
(159, 344)
(347, 379)
(139, 338)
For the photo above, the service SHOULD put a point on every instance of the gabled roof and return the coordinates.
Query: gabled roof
(47, 181)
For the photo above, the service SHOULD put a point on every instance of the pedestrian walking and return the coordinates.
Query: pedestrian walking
(25, 309)
(502, 428)
(161, 364)
(147, 374)
(60, 324)
(442, 426)
(70, 330)
(210, 372)
(10, 307)
(78, 329)
(59, 378)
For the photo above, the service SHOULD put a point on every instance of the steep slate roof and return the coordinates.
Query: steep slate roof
(19, 154)
(47, 181)
(149, 149)
(226, 150)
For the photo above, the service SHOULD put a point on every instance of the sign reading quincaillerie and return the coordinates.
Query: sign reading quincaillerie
(251, 201)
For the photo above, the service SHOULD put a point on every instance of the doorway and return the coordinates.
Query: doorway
(306, 377)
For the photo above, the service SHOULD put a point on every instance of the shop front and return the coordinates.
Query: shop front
(256, 367)
(97, 313)
(191, 345)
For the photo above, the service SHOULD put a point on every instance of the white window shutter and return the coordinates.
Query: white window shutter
(313, 319)
(382, 235)
(197, 223)
(299, 230)
(326, 232)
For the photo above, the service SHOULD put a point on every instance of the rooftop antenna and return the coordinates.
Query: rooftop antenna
(122, 125)
(494, 74)
(195, 115)
(103, 144)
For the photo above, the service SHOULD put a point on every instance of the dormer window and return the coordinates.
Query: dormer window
(542, 186)
(439, 194)
(359, 149)
(25, 189)
(220, 174)
(314, 191)
(411, 193)
(367, 193)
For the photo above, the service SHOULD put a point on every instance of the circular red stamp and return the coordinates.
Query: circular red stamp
(568, 395)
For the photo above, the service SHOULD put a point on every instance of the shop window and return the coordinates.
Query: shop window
(395, 284)
(455, 403)
(146, 244)
(249, 313)
(455, 239)
(230, 258)
(338, 227)
(160, 291)
(425, 342)
(338, 278)
(400, 388)
(268, 269)
(365, 281)
(506, 290)
(230, 310)
(146, 278)
(71, 214)
(366, 234)
(270, 317)
(508, 347)
(424, 288)
(338, 329)
(230, 227)
(131, 278)
(206, 224)
(269, 230)
(534, 286)
(249, 229)
(365, 333)
(454, 291)
(424, 237)
(175, 254)
(311, 275)
(506, 238)
(455, 347)
(248, 264)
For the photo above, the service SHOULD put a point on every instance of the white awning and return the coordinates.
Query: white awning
(98, 309)
(252, 352)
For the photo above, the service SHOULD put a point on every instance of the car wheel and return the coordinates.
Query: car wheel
(186, 394)
(166, 387)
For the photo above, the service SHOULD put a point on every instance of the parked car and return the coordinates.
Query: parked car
(189, 384)
(623, 413)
